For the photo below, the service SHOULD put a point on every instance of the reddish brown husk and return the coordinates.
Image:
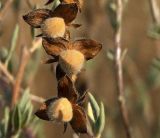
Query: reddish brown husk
(66, 89)
(49, 1)
(88, 47)
(66, 1)
(78, 121)
(55, 47)
(36, 17)
(42, 111)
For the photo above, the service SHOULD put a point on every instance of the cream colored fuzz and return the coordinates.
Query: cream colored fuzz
(81, 3)
(54, 27)
(71, 61)
(62, 110)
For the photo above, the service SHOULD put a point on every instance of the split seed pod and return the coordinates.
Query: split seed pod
(65, 107)
(53, 23)
(78, 2)
(81, 83)
(71, 55)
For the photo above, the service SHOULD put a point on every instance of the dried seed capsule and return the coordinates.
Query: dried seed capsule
(54, 27)
(60, 110)
(71, 61)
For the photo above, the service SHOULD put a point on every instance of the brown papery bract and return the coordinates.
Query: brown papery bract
(78, 2)
(53, 23)
(68, 105)
(60, 109)
(71, 55)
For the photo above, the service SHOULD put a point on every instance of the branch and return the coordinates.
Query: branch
(20, 74)
(5, 8)
(12, 81)
(26, 54)
(155, 11)
(119, 69)
(5, 71)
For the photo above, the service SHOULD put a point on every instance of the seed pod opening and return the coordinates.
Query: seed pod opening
(54, 27)
(71, 61)
(61, 110)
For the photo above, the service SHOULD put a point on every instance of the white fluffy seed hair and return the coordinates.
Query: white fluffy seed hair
(71, 61)
(54, 27)
(60, 110)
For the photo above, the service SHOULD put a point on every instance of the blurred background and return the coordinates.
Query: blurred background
(141, 65)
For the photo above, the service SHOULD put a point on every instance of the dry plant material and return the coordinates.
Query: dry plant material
(65, 107)
(53, 23)
(71, 55)
(68, 106)
(78, 2)
(80, 81)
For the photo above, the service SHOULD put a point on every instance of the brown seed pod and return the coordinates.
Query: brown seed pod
(64, 107)
(78, 120)
(53, 23)
(71, 55)
(78, 2)
(80, 83)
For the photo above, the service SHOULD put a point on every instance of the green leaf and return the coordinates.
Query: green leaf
(16, 119)
(26, 107)
(13, 44)
(6, 119)
(94, 106)
(154, 31)
(27, 114)
(24, 99)
(3, 54)
(100, 123)
(4, 123)
(111, 10)
(111, 54)
(55, 4)
(90, 113)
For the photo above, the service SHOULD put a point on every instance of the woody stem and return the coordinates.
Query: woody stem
(119, 69)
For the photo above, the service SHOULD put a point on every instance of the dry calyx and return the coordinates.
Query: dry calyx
(78, 2)
(80, 82)
(66, 107)
(71, 55)
(53, 23)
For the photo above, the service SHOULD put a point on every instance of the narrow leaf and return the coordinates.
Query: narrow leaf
(6, 119)
(94, 106)
(100, 124)
(16, 119)
(13, 44)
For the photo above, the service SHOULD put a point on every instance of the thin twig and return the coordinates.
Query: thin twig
(24, 60)
(35, 45)
(5, 8)
(75, 135)
(26, 54)
(119, 69)
(5, 71)
(12, 81)
(155, 11)
(20, 74)
(13, 45)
